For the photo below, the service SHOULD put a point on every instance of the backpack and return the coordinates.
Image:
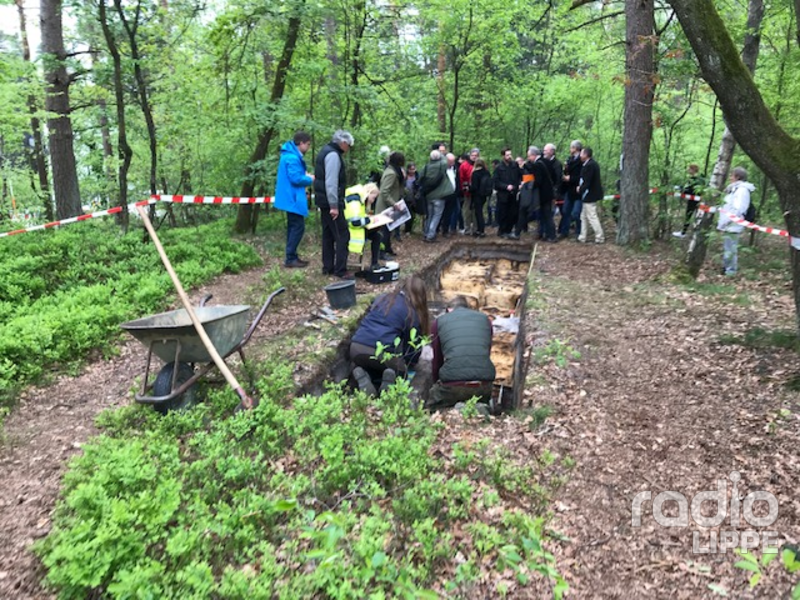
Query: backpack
(486, 186)
(750, 213)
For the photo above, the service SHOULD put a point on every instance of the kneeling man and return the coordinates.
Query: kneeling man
(462, 367)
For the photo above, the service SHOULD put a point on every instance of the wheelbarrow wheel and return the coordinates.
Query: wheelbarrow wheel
(163, 387)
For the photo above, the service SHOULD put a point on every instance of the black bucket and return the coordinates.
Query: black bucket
(341, 294)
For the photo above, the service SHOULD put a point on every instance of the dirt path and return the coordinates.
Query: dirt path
(654, 403)
(657, 403)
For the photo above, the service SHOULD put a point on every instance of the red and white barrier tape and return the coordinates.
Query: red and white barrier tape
(795, 242)
(152, 200)
(618, 196)
(94, 215)
(213, 199)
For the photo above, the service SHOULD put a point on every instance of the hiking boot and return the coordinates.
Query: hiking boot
(389, 378)
(364, 382)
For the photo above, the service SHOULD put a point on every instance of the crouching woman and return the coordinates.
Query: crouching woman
(400, 315)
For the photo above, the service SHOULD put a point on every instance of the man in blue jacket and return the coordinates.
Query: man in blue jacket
(290, 194)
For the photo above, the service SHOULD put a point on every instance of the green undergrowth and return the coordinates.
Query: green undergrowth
(64, 293)
(337, 496)
(758, 337)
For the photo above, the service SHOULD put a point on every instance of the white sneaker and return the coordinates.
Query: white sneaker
(678, 234)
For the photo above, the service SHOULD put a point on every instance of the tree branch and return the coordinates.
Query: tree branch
(596, 20)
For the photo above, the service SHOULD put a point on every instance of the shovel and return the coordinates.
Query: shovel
(246, 401)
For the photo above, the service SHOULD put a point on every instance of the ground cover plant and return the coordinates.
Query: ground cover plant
(64, 293)
(336, 496)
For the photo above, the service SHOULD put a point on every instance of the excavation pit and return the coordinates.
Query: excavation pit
(494, 279)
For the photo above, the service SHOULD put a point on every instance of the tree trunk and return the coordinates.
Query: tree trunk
(755, 128)
(244, 217)
(38, 158)
(639, 93)
(124, 150)
(62, 155)
(141, 84)
(441, 106)
(355, 119)
(698, 244)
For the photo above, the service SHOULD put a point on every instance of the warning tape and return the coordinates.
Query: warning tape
(794, 241)
(618, 196)
(152, 200)
(213, 199)
(86, 217)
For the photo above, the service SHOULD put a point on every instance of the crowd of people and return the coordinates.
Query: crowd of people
(451, 194)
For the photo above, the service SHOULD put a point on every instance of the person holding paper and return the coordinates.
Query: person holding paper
(358, 199)
(391, 191)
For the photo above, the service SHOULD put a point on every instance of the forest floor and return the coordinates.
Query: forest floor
(659, 399)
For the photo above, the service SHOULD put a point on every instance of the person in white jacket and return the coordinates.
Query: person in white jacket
(737, 201)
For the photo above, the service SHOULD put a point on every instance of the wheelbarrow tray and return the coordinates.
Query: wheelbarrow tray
(173, 331)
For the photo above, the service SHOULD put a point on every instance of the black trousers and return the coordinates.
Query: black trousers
(507, 210)
(477, 206)
(335, 237)
(691, 209)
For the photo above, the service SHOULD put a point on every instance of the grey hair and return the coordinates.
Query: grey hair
(740, 173)
(451, 156)
(534, 151)
(576, 144)
(551, 147)
(458, 302)
(341, 135)
(436, 155)
(475, 149)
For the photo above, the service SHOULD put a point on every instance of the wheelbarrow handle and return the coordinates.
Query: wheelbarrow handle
(260, 316)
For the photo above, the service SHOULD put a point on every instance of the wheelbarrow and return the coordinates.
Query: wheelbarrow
(172, 337)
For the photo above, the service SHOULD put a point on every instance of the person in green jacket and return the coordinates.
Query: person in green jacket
(391, 191)
(462, 365)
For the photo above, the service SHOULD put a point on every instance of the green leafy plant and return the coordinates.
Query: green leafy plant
(758, 567)
(335, 496)
(74, 287)
(557, 351)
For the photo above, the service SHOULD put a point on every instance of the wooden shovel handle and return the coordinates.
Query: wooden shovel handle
(247, 402)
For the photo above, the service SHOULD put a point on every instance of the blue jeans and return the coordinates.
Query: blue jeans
(435, 211)
(730, 253)
(570, 213)
(295, 228)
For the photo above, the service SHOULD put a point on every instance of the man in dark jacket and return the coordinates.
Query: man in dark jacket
(591, 192)
(571, 211)
(538, 182)
(692, 188)
(507, 178)
(462, 365)
(329, 184)
(556, 171)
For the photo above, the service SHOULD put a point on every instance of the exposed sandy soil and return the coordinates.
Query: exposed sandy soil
(655, 402)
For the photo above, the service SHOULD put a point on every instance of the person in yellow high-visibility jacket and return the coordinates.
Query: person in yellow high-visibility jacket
(357, 200)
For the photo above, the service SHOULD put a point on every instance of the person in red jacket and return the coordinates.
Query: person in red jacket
(464, 180)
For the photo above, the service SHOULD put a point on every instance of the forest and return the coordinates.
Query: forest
(105, 103)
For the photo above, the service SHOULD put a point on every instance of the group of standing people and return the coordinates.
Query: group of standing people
(448, 194)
